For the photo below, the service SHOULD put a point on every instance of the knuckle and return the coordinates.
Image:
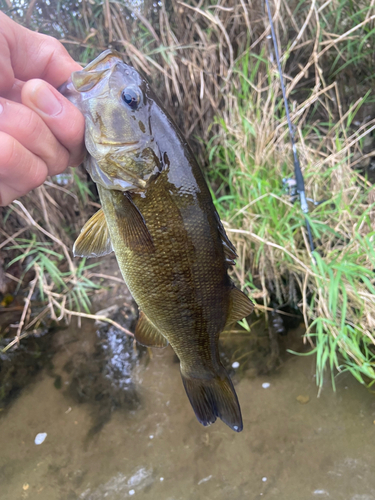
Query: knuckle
(7, 196)
(20, 167)
(35, 171)
(49, 49)
(38, 174)
(8, 153)
(52, 44)
(76, 160)
(59, 162)
(72, 138)
(32, 124)
(76, 128)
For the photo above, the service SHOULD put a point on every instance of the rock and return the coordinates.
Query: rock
(100, 374)
(303, 399)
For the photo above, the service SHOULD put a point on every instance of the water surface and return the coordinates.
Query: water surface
(142, 440)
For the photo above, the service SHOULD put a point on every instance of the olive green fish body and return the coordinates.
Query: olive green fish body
(181, 284)
(158, 216)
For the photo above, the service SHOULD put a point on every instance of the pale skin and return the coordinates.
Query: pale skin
(41, 132)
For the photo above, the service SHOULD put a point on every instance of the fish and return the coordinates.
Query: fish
(158, 216)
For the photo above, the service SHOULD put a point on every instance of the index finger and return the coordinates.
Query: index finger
(25, 54)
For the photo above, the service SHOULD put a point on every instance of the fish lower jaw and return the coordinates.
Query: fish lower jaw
(115, 149)
(120, 182)
(122, 146)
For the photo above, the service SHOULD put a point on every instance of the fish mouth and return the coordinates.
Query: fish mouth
(123, 145)
(79, 84)
(106, 60)
(91, 75)
(119, 148)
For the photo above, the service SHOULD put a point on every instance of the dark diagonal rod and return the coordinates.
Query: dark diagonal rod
(297, 167)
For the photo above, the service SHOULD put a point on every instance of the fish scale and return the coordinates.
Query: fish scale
(156, 293)
(158, 216)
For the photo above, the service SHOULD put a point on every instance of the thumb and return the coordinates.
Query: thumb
(64, 120)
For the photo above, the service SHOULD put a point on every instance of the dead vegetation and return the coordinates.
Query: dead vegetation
(213, 66)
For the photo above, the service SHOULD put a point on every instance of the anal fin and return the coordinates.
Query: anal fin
(241, 306)
(94, 240)
(147, 334)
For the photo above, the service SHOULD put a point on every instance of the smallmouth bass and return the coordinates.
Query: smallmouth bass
(158, 217)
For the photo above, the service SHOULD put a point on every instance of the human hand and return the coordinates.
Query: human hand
(41, 132)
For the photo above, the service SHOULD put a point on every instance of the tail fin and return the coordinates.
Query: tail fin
(215, 397)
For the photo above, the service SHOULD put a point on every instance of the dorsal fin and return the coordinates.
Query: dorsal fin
(241, 306)
(94, 240)
(229, 250)
(147, 334)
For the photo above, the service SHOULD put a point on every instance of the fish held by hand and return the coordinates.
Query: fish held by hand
(158, 217)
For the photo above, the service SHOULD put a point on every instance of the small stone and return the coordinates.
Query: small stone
(266, 385)
(264, 479)
(303, 399)
(39, 438)
(235, 364)
(321, 492)
(131, 492)
(25, 487)
(162, 479)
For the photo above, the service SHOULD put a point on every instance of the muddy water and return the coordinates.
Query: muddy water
(147, 444)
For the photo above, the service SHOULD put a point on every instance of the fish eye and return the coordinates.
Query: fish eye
(131, 97)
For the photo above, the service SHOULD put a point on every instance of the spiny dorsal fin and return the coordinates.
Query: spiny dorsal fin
(134, 230)
(94, 240)
(147, 334)
(229, 250)
(241, 306)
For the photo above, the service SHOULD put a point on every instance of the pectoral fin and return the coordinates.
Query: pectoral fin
(94, 240)
(241, 306)
(133, 226)
(147, 334)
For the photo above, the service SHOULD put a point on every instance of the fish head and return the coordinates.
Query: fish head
(113, 98)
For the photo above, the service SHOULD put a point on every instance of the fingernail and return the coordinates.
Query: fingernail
(1, 108)
(44, 99)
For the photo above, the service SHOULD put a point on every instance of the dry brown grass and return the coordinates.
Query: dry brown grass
(195, 55)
